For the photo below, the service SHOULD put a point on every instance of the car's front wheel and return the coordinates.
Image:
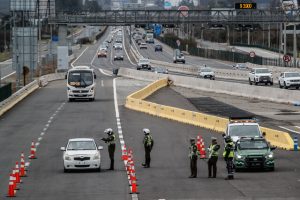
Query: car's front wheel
(66, 170)
(250, 82)
(285, 86)
(280, 86)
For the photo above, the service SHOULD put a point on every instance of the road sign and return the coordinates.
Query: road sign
(252, 54)
(157, 29)
(168, 5)
(178, 43)
(286, 58)
(184, 10)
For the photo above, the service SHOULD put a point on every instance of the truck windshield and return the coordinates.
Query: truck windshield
(244, 130)
(253, 144)
(80, 78)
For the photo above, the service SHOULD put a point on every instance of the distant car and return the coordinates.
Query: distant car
(103, 48)
(260, 75)
(240, 66)
(178, 56)
(289, 79)
(206, 72)
(160, 70)
(143, 45)
(253, 153)
(158, 47)
(81, 154)
(118, 46)
(102, 53)
(106, 44)
(143, 63)
(119, 55)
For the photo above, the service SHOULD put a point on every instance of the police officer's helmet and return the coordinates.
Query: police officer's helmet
(192, 140)
(228, 139)
(146, 131)
(108, 131)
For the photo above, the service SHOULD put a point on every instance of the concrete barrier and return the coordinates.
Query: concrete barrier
(135, 102)
(44, 80)
(10, 102)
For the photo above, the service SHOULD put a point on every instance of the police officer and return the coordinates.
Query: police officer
(148, 145)
(213, 153)
(228, 155)
(193, 155)
(110, 140)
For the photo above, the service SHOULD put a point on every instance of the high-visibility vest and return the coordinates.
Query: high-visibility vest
(111, 139)
(148, 141)
(229, 147)
(193, 151)
(212, 152)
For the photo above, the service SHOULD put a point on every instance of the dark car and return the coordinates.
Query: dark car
(158, 47)
(119, 55)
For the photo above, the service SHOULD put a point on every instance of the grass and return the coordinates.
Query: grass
(4, 56)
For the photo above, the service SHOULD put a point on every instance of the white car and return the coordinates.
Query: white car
(289, 79)
(260, 75)
(118, 46)
(81, 153)
(143, 45)
(240, 66)
(206, 72)
(143, 63)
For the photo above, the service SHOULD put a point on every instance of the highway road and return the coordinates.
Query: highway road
(47, 115)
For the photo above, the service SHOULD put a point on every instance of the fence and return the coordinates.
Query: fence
(5, 91)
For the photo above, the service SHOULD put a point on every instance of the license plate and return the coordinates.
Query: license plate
(80, 163)
(265, 80)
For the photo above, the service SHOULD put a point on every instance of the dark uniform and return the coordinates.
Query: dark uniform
(228, 156)
(111, 146)
(193, 155)
(213, 158)
(148, 145)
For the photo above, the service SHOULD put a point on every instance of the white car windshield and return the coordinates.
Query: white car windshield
(244, 130)
(262, 71)
(294, 74)
(252, 144)
(144, 61)
(81, 145)
(206, 70)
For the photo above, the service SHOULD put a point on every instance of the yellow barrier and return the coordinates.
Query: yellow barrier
(135, 102)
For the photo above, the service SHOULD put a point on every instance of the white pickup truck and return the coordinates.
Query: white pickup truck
(260, 75)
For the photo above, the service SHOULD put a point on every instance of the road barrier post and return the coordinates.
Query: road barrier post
(295, 143)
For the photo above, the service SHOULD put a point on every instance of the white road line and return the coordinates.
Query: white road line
(8, 75)
(103, 72)
(297, 127)
(290, 130)
(102, 83)
(72, 64)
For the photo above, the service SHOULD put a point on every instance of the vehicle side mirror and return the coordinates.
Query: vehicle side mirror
(273, 148)
(100, 148)
(95, 76)
(63, 148)
(66, 76)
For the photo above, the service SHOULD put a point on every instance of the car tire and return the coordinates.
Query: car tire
(183, 62)
(66, 170)
(250, 83)
(174, 61)
(71, 99)
(255, 82)
(285, 86)
(297, 87)
(98, 169)
(267, 83)
(271, 83)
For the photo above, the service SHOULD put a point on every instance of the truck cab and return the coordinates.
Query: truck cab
(81, 83)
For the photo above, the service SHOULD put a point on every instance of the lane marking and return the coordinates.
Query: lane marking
(289, 130)
(103, 72)
(72, 64)
(8, 75)
(125, 48)
(102, 83)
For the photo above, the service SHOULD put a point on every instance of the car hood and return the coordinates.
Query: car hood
(207, 73)
(249, 152)
(81, 152)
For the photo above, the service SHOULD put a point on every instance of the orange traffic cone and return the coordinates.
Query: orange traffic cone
(198, 143)
(22, 166)
(202, 149)
(17, 173)
(32, 151)
(124, 153)
(15, 180)
(134, 188)
(11, 187)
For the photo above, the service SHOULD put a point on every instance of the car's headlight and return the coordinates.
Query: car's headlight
(270, 155)
(67, 157)
(96, 156)
(92, 88)
(69, 88)
(238, 156)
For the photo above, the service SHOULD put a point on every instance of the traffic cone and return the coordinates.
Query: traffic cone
(202, 149)
(22, 166)
(198, 143)
(134, 188)
(15, 180)
(11, 187)
(124, 154)
(32, 151)
(17, 173)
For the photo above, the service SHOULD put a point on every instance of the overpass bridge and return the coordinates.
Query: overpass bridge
(129, 17)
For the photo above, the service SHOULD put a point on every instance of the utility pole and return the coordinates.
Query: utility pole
(284, 38)
(295, 47)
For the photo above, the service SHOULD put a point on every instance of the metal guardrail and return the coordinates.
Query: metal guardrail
(128, 17)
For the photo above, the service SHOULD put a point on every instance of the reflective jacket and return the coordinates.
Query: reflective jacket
(229, 150)
(213, 150)
(148, 141)
(110, 139)
(193, 151)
